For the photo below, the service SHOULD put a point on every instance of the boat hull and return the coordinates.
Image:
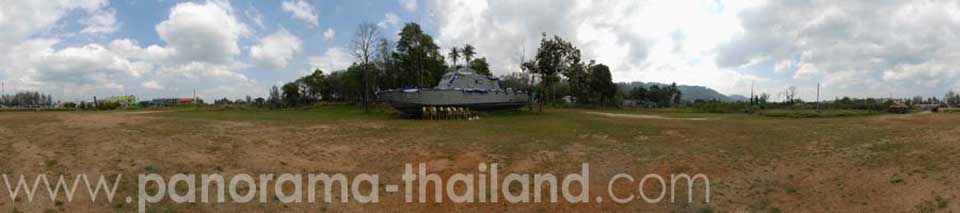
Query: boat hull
(413, 101)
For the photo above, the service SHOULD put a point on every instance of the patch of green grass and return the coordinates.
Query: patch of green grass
(706, 209)
(896, 178)
(119, 205)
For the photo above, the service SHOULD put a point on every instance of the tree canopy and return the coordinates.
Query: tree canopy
(418, 57)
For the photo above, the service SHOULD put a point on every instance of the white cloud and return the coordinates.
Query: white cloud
(22, 19)
(207, 32)
(328, 35)
(152, 84)
(199, 50)
(409, 5)
(389, 20)
(276, 50)
(302, 11)
(210, 80)
(27, 56)
(254, 15)
(783, 66)
(856, 48)
(334, 59)
(104, 21)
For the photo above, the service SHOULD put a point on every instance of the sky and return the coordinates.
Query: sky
(76, 49)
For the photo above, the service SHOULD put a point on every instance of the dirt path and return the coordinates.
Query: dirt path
(637, 116)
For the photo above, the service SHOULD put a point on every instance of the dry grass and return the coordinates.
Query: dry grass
(865, 163)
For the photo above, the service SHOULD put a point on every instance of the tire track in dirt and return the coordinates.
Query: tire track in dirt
(639, 116)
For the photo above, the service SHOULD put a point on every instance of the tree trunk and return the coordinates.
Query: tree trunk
(363, 77)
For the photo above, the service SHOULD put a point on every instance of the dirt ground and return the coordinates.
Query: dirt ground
(883, 163)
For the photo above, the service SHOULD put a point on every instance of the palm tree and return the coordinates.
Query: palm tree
(454, 55)
(468, 53)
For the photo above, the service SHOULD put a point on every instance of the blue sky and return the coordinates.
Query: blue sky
(76, 49)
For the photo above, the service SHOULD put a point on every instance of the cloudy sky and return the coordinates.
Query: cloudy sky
(76, 49)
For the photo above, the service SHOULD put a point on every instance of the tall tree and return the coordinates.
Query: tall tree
(388, 76)
(468, 52)
(419, 57)
(274, 99)
(364, 45)
(554, 56)
(291, 94)
(601, 83)
(454, 55)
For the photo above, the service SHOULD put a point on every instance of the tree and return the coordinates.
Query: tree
(578, 79)
(331, 87)
(554, 56)
(418, 57)
(516, 80)
(274, 98)
(454, 54)
(387, 77)
(468, 52)
(790, 95)
(675, 94)
(312, 85)
(364, 44)
(480, 65)
(601, 83)
(952, 98)
(351, 85)
(27, 99)
(291, 94)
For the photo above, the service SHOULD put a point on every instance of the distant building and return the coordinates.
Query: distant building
(900, 108)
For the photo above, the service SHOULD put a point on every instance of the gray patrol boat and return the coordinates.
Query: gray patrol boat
(460, 88)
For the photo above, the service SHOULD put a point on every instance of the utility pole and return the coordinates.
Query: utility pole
(194, 95)
(751, 92)
(818, 97)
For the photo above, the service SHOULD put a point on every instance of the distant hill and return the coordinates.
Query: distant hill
(690, 93)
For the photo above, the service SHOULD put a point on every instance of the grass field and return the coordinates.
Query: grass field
(865, 163)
